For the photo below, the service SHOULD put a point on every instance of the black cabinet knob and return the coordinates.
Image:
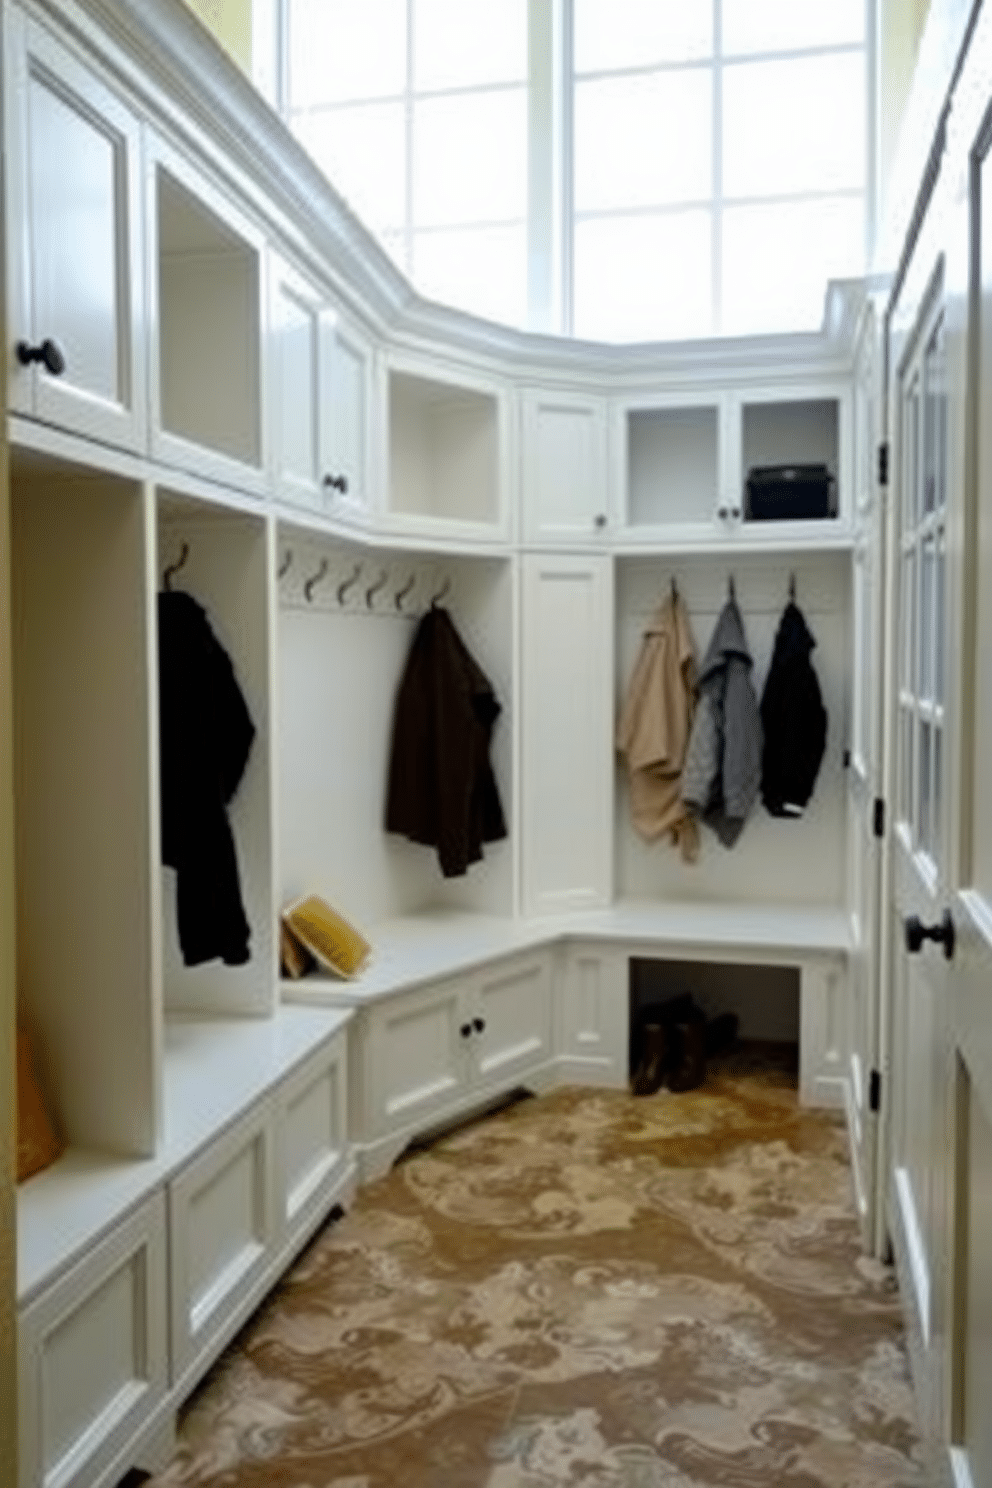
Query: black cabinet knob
(599, 521)
(723, 512)
(466, 1030)
(337, 482)
(943, 934)
(735, 512)
(479, 1024)
(48, 353)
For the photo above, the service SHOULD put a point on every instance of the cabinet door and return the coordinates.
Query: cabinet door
(296, 335)
(93, 1356)
(567, 733)
(511, 1019)
(346, 401)
(565, 495)
(75, 277)
(221, 1233)
(416, 1060)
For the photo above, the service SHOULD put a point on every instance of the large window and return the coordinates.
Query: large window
(620, 169)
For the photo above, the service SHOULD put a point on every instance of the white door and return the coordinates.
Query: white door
(74, 244)
(864, 789)
(970, 973)
(921, 868)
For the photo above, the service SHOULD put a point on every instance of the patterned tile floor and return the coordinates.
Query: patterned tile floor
(586, 1289)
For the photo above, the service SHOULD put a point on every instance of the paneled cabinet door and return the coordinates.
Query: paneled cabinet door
(320, 403)
(74, 246)
(311, 1137)
(93, 1357)
(592, 1017)
(565, 485)
(567, 754)
(416, 1060)
(510, 1016)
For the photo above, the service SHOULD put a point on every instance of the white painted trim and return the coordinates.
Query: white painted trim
(919, 1276)
(960, 1470)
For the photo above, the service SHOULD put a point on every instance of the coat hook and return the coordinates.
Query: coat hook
(675, 590)
(731, 588)
(792, 588)
(401, 594)
(373, 589)
(286, 563)
(444, 589)
(308, 587)
(174, 568)
(348, 583)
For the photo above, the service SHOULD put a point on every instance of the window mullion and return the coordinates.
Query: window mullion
(717, 214)
(408, 214)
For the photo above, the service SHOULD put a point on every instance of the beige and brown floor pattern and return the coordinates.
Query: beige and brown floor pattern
(585, 1289)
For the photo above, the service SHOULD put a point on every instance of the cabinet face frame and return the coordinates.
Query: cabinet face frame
(34, 57)
(170, 447)
(122, 1281)
(494, 526)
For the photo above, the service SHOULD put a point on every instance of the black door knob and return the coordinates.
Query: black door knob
(337, 482)
(917, 933)
(48, 353)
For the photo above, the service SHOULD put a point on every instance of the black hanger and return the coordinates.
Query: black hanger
(174, 568)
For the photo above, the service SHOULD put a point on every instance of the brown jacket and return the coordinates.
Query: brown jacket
(653, 729)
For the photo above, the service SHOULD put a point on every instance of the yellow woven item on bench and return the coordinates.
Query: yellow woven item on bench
(327, 935)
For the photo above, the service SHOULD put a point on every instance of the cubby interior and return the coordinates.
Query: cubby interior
(775, 861)
(209, 327)
(672, 464)
(765, 999)
(87, 976)
(222, 559)
(444, 453)
(804, 432)
(343, 642)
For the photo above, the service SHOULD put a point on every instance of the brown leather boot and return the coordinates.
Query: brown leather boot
(650, 1073)
(689, 1071)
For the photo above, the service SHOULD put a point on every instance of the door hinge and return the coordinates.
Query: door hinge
(875, 1091)
(878, 817)
(883, 464)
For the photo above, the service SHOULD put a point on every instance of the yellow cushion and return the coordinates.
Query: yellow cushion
(38, 1143)
(328, 936)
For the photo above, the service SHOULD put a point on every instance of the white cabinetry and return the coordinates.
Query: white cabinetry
(93, 1357)
(311, 1124)
(565, 487)
(424, 1055)
(673, 468)
(567, 751)
(319, 400)
(592, 1003)
(75, 282)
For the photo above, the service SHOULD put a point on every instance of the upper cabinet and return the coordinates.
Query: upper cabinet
(762, 466)
(446, 456)
(207, 316)
(565, 486)
(319, 400)
(75, 285)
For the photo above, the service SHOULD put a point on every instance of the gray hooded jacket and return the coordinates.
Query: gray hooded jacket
(722, 772)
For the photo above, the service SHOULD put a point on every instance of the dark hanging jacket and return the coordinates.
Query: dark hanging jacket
(794, 719)
(722, 767)
(205, 735)
(441, 789)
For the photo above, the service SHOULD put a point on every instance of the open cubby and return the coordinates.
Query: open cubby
(804, 432)
(444, 450)
(340, 664)
(672, 465)
(765, 999)
(87, 974)
(225, 570)
(209, 327)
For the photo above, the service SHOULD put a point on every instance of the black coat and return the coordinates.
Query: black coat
(794, 719)
(205, 735)
(441, 789)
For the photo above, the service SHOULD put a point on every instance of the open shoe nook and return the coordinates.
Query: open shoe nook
(256, 412)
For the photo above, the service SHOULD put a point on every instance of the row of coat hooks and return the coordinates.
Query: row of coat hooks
(365, 587)
(732, 588)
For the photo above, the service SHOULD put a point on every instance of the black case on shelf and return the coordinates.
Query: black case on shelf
(788, 493)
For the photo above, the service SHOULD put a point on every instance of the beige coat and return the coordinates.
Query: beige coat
(653, 729)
